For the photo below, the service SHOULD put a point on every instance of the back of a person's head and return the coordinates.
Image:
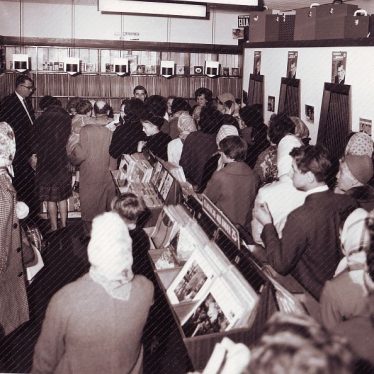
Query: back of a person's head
(294, 344)
(234, 147)
(133, 109)
(251, 115)
(151, 118)
(101, 107)
(180, 104)
(313, 158)
(228, 119)
(128, 206)
(48, 101)
(156, 104)
(279, 126)
(83, 107)
(211, 120)
(301, 129)
(72, 103)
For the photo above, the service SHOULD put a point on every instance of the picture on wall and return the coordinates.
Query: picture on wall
(339, 62)
(235, 72)
(140, 69)
(292, 64)
(271, 104)
(257, 63)
(365, 126)
(309, 113)
(238, 33)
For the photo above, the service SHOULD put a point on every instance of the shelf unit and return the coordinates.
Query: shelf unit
(98, 80)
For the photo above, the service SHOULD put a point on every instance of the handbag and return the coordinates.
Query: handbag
(32, 240)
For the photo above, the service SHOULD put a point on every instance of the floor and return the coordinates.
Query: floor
(65, 259)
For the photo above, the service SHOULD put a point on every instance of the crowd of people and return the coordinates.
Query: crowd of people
(266, 178)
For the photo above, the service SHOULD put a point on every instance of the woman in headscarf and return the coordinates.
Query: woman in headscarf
(14, 308)
(186, 125)
(344, 296)
(95, 324)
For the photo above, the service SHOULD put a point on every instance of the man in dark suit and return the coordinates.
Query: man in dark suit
(309, 248)
(340, 76)
(16, 109)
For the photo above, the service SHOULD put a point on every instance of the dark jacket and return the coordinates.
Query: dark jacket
(52, 130)
(126, 138)
(310, 248)
(197, 149)
(364, 195)
(158, 145)
(233, 190)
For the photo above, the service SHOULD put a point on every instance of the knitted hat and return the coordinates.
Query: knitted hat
(225, 131)
(226, 97)
(110, 248)
(359, 144)
(361, 167)
(7, 145)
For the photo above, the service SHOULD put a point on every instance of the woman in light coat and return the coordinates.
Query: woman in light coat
(14, 308)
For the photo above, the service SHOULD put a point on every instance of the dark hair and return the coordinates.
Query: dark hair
(234, 147)
(72, 103)
(279, 126)
(83, 106)
(22, 78)
(155, 120)
(47, 101)
(128, 206)
(179, 104)
(133, 109)
(228, 119)
(104, 107)
(251, 116)
(339, 65)
(211, 120)
(139, 87)
(208, 94)
(298, 344)
(156, 104)
(313, 158)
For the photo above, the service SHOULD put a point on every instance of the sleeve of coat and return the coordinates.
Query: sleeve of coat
(213, 190)
(283, 254)
(329, 307)
(50, 346)
(79, 153)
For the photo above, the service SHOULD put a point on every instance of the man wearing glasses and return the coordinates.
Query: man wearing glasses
(16, 109)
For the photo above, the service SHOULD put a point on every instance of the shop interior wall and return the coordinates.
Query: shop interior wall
(314, 68)
(51, 20)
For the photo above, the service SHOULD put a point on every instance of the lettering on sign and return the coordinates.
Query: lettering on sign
(221, 220)
(243, 21)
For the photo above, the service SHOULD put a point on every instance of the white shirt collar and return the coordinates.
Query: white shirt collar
(317, 189)
(19, 97)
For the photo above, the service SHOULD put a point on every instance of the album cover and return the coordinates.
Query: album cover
(257, 63)
(198, 70)
(292, 64)
(225, 72)
(365, 126)
(338, 70)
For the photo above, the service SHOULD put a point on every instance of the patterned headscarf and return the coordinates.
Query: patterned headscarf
(359, 144)
(110, 255)
(7, 145)
(186, 125)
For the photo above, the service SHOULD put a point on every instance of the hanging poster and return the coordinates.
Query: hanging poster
(292, 64)
(257, 63)
(339, 62)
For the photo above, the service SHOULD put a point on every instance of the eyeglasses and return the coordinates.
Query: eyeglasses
(28, 87)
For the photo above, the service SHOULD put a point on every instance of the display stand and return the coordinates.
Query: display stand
(289, 97)
(210, 266)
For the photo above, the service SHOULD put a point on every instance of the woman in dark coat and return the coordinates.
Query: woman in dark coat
(156, 141)
(200, 145)
(127, 135)
(53, 178)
